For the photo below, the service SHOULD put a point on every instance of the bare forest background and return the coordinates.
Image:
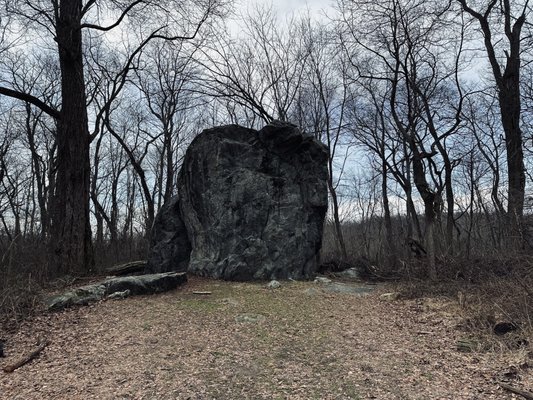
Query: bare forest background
(425, 107)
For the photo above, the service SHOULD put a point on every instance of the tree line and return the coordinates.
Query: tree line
(424, 107)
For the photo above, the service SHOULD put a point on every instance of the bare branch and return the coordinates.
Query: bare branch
(32, 100)
(114, 25)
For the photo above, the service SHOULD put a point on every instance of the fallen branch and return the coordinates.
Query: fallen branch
(201, 293)
(27, 358)
(512, 389)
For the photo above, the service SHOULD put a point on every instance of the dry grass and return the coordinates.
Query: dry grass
(247, 342)
(488, 291)
(19, 299)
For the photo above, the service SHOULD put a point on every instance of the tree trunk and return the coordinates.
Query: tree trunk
(169, 186)
(450, 206)
(40, 181)
(390, 248)
(338, 228)
(430, 199)
(71, 247)
(509, 98)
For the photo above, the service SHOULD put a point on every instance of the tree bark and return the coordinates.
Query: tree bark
(390, 248)
(70, 242)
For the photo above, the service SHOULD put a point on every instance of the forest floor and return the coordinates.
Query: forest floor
(244, 341)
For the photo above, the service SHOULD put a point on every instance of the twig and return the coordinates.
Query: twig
(201, 293)
(27, 358)
(512, 389)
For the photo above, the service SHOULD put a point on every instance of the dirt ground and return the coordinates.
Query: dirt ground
(244, 341)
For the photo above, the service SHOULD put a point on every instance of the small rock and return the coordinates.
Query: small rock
(119, 295)
(249, 318)
(393, 296)
(274, 285)
(322, 279)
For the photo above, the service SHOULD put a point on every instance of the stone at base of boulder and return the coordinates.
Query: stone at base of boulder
(393, 296)
(135, 285)
(273, 284)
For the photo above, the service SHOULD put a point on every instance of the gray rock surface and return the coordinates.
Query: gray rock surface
(250, 318)
(132, 285)
(350, 273)
(252, 204)
(170, 246)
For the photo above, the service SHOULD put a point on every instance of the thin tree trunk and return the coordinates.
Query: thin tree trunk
(338, 228)
(390, 248)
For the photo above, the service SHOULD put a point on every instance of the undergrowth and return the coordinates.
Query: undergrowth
(19, 299)
(494, 298)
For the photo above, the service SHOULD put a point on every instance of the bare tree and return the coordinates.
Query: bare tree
(66, 21)
(169, 91)
(502, 22)
(261, 71)
(372, 130)
(406, 52)
(320, 107)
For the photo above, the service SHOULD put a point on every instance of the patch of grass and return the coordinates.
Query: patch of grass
(146, 326)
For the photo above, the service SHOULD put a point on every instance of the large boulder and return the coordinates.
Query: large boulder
(252, 203)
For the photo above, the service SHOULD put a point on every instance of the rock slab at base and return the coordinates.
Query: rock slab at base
(136, 285)
(251, 203)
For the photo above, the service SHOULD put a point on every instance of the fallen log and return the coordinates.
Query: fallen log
(524, 393)
(27, 358)
(130, 268)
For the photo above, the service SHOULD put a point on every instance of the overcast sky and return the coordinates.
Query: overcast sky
(282, 7)
(290, 6)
